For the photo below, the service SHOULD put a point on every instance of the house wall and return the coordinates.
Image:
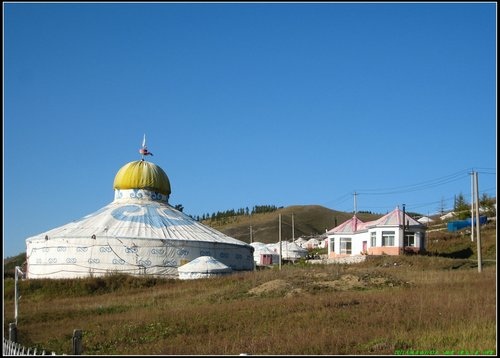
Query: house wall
(384, 250)
(356, 244)
(358, 238)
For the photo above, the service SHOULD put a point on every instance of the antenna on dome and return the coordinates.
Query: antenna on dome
(144, 150)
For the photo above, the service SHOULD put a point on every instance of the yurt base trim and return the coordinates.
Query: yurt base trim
(57, 258)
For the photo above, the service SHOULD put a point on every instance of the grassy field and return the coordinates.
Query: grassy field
(437, 303)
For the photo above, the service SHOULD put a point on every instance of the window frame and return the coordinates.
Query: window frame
(388, 235)
(406, 240)
(343, 245)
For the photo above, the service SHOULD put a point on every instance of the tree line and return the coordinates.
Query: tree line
(224, 216)
(462, 208)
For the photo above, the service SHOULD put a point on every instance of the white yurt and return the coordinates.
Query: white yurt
(203, 267)
(138, 233)
(263, 255)
(292, 251)
(425, 220)
(301, 242)
(312, 243)
(289, 250)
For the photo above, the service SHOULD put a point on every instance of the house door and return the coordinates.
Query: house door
(364, 246)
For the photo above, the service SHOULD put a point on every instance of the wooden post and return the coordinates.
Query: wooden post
(77, 342)
(16, 292)
(13, 332)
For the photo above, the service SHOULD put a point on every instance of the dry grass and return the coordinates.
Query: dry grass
(385, 305)
(308, 220)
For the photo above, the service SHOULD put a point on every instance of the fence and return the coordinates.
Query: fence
(15, 349)
(12, 348)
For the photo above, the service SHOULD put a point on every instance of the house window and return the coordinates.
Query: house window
(373, 239)
(409, 239)
(345, 245)
(388, 238)
(332, 244)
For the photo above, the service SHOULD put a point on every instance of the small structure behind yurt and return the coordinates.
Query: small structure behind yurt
(301, 242)
(312, 243)
(203, 267)
(263, 255)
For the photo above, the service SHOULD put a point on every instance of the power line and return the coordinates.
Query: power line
(432, 183)
(419, 186)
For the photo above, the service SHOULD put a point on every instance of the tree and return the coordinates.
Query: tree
(461, 207)
(487, 204)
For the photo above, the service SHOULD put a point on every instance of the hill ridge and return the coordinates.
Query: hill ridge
(308, 220)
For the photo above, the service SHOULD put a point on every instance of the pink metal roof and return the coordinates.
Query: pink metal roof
(394, 218)
(350, 226)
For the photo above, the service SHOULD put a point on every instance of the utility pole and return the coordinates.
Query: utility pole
(280, 240)
(479, 259)
(355, 210)
(472, 194)
(441, 207)
(293, 229)
(404, 231)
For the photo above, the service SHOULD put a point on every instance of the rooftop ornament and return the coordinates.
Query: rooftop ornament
(144, 150)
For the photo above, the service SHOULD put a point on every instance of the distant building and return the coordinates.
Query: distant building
(425, 220)
(448, 216)
(382, 236)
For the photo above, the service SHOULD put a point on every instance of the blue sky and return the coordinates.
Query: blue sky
(246, 104)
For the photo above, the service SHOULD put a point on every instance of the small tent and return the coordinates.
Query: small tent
(202, 267)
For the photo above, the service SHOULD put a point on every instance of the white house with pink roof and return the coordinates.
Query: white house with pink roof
(382, 236)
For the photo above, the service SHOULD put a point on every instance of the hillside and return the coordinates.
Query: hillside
(314, 220)
(309, 220)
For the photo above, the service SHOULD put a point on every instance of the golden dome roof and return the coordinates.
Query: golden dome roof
(142, 175)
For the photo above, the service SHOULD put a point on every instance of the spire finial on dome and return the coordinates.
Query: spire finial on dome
(144, 150)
